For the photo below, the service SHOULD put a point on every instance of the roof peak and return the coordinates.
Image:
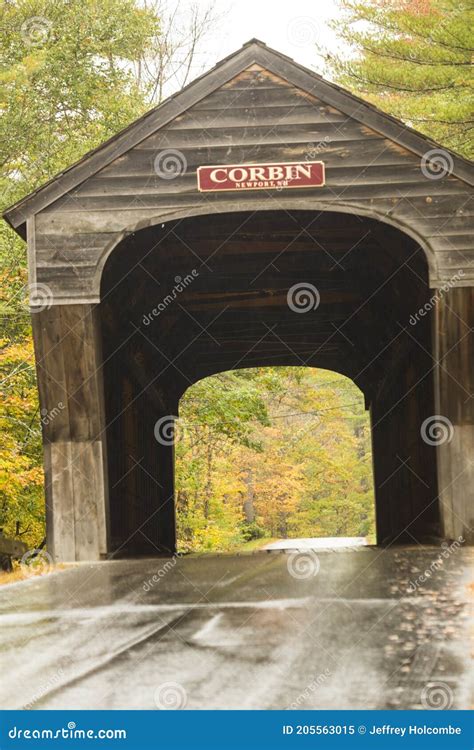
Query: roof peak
(254, 40)
(253, 51)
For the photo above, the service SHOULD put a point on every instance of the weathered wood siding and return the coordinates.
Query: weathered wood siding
(255, 117)
(454, 385)
(69, 365)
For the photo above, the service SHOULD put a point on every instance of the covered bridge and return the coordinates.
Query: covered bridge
(261, 216)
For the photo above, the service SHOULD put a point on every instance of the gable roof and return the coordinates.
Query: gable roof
(253, 52)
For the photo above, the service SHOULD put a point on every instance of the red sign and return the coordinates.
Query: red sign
(281, 176)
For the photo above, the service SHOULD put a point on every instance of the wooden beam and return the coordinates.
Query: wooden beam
(452, 429)
(69, 360)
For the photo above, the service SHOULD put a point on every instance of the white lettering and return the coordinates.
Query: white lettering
(238, 174)
(275, 173)
(295, 171)
(214, 176)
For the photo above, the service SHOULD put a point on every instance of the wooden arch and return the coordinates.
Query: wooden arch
(267, 204)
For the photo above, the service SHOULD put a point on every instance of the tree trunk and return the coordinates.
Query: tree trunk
(248, 506)
(208, 488)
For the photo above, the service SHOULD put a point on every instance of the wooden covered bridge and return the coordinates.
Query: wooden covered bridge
(261, 216)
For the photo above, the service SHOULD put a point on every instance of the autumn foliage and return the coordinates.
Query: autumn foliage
(272, 452)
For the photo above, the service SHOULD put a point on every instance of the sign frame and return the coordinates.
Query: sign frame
(207, 167)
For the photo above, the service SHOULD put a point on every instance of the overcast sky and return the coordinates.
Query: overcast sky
(293, 27)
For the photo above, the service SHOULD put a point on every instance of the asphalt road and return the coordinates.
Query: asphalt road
(316, 543)
(354, 628)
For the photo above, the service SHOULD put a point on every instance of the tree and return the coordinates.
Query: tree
(413, 59)
(66, 85)
(21, 476)
(216, 415)
(289, 452)
(171, 60)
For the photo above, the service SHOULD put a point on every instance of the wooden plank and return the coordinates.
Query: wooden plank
(31, 250)
(67, 281)
(246, 116)
(315, 135)
(51, 374)
(138, 177)
(82, 374)
(60, 498)
(68, 359)
(118, 212)
(258, 96)
(73, 278)
(404, 465)
(88, 493)
(454, 380)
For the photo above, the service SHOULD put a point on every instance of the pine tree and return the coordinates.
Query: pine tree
(413, 59)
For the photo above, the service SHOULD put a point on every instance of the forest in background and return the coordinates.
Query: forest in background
(74, 73)
(278, 452)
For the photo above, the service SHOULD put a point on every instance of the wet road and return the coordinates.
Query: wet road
(316, 543)
(355, 628)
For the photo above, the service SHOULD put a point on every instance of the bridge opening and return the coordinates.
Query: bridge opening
(209, 294)
(269, 455)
